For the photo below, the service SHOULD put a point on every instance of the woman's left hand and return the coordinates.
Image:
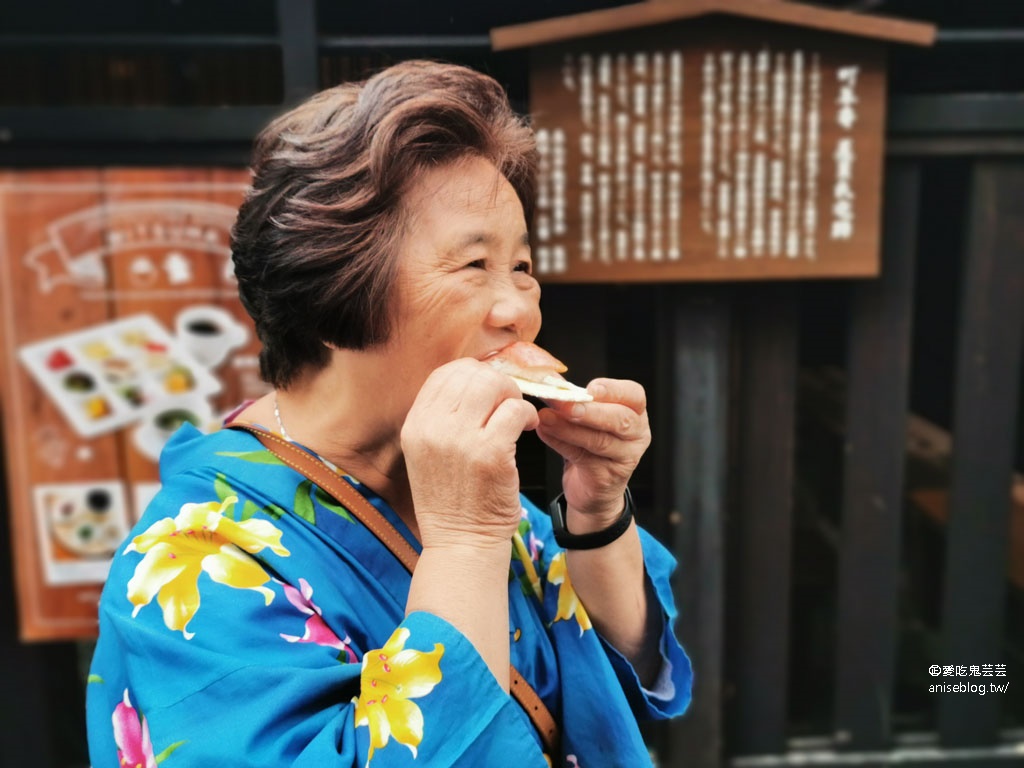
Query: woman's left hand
(601, 442)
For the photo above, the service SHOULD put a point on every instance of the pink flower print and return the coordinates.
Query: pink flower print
(536, 546)
(131, 734)
(533, 544)
(317, 630)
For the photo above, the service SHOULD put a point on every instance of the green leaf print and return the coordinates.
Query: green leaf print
(248, 510)
(167, 752)
(256, 457)
(303, 505)
(94, 679)
(221, 487)
(273, 511)
(526, 586)
(328, 502)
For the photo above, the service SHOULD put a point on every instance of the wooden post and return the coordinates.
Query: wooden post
(985, 403)
(876, 417)
(698, 325)
(758, 634)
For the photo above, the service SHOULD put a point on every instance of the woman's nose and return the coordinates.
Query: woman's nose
(513, 307)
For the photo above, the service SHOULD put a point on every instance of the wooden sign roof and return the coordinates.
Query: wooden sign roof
(654, 12)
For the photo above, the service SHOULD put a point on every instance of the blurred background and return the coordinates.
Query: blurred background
(837, 463)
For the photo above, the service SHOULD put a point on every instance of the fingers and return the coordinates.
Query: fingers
(619, 408)
(466, 407)
(571, 453)
(617, 420)
(625, 445)
(467, 388)
(511, 418)
(614, 426)
(622, 391)
(459, 442)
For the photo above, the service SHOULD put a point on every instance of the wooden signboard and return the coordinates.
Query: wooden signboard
(677, 145)
(120, 320)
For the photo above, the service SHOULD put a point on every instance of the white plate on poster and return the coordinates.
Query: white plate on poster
(161, 420)
(104, 377)
(80, 526)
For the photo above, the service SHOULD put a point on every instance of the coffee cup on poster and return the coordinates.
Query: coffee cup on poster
(209, 333)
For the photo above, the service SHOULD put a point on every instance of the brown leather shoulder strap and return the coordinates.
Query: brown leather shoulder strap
(322, 476)
(536, 710)
(306, 464)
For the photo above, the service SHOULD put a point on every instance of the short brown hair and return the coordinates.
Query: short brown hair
(315, 242)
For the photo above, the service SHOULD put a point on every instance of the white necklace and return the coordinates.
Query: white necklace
(280, 424)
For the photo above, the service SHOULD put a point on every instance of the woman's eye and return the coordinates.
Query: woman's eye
(477, 264)
(524, 266)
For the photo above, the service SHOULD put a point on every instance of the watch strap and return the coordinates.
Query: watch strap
(596, 539)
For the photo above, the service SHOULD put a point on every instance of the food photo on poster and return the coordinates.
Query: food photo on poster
(80, 527)
(133, 372)
(121, 324)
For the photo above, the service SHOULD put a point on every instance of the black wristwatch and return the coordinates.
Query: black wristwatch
(593, 540)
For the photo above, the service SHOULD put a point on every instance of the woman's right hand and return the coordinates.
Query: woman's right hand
(459, 441)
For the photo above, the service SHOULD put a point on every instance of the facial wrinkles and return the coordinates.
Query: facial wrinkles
(444, 209)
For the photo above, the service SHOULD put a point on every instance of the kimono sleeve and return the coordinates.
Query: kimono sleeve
(670, 696)
(244, 642)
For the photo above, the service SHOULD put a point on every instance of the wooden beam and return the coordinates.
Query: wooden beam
(984, 415)
(645, 14)
(698, 326)
(759, 588)
(296, 20)
(872, 501)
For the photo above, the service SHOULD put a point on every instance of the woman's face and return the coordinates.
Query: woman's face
(465, 287)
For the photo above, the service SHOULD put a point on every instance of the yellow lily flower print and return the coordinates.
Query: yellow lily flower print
(201, 538)
(569, 604)
(391, 676)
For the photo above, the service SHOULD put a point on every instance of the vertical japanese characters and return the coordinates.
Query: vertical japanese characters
(770, 172)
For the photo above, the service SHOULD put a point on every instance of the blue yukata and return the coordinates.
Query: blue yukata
(250, 621)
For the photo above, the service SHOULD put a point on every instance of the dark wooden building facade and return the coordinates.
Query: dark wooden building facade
(835, 461)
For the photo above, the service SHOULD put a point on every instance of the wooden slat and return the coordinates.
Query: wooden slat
(698, 324)
(876, 418)
(1002, 756)
(985, 407)
(149, 125)
(758, 634)
(961, 115)
(296, 20)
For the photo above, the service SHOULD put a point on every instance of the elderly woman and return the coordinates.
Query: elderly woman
(382, 252)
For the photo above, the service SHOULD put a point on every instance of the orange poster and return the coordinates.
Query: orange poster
(120, 322)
